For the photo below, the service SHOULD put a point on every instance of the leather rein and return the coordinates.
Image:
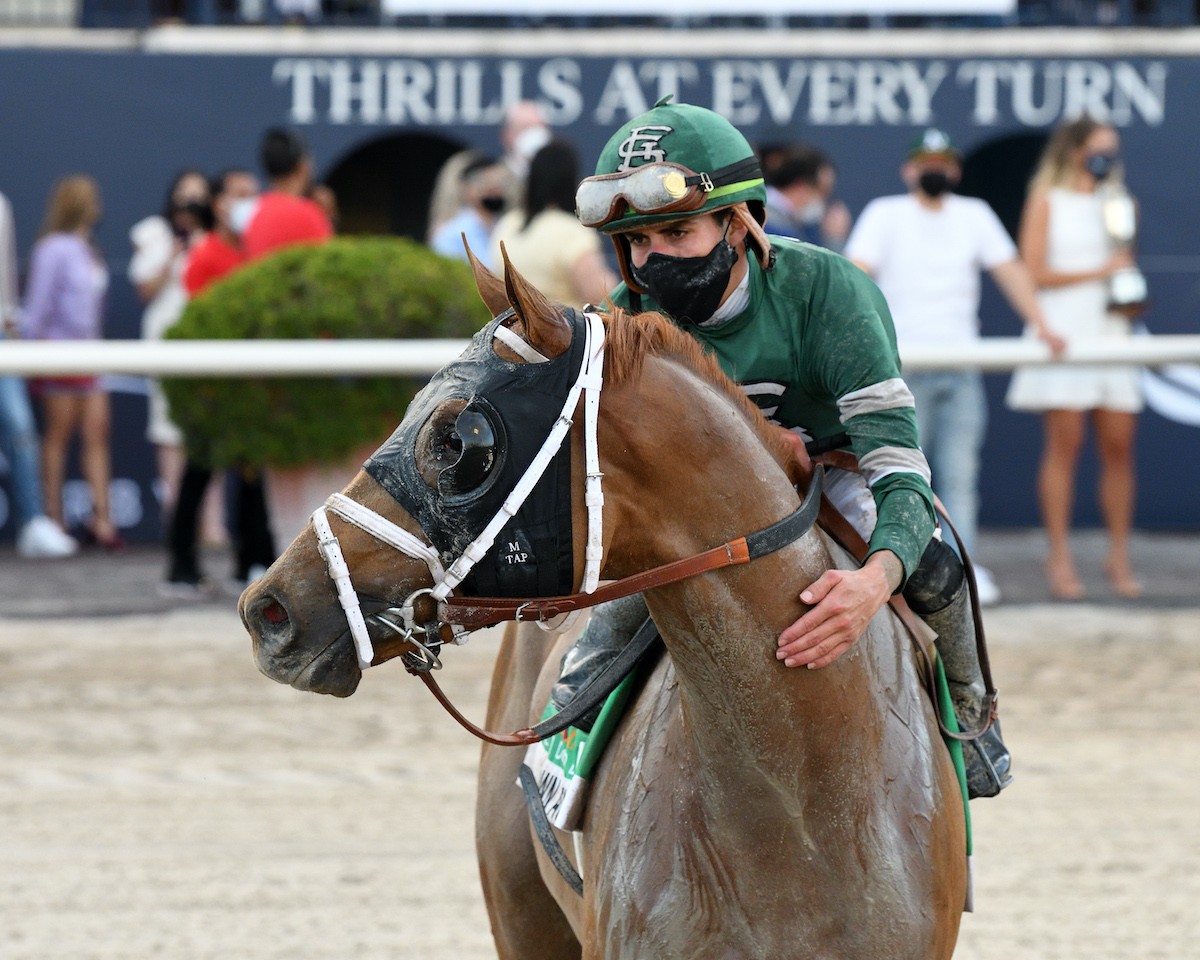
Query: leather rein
(477, 612)
(459, 615)
(426, 629)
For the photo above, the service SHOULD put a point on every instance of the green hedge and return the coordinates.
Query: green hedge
(349, 288)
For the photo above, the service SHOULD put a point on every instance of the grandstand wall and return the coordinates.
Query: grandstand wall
(383, 108)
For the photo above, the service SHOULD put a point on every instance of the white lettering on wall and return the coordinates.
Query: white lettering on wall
(559, 82)
(622, 96)
(1039, 93)
(836, 92)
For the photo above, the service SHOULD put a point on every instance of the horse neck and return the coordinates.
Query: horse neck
(704, 480)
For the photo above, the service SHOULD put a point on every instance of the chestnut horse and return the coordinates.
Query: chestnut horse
(743, 809)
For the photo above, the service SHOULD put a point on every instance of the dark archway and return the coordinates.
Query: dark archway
(383, 186)
(999, 173)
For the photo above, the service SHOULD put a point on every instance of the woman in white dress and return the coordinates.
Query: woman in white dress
(1064, 243)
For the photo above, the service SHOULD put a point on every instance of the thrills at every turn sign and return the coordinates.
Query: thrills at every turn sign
(826, 92)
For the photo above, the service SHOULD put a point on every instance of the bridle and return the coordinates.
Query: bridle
(460, 615)
(589, 382)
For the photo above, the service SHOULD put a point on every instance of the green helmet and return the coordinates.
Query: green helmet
(691, 137)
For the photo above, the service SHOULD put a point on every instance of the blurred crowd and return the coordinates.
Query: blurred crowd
(208, 227)
(925, 246)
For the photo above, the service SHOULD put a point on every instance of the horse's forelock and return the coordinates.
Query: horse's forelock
(630, 338)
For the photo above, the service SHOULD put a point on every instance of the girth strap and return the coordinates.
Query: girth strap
(545, 831)
(476, 612)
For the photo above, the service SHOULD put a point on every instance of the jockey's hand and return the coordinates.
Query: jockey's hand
(843, 603)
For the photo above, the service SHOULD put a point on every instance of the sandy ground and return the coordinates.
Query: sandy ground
(159, 798)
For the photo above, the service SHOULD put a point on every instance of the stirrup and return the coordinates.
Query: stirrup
(988, 762)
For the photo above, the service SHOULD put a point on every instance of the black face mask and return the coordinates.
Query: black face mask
(933, 183)
(492, 204)
(1100, 165)
(198, 210)
(689, 289)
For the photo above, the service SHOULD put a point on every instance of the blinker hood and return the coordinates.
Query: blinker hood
(511, 408)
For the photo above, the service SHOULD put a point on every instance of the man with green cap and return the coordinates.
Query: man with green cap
(809, 338)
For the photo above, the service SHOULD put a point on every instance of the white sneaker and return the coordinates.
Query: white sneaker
(985, 583)
(41, 538)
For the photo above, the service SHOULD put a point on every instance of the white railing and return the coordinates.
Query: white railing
(314, 358)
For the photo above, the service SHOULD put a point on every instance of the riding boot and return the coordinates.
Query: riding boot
(939, 576)
(609, 630)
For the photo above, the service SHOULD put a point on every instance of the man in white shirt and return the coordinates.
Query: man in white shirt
(926, 249)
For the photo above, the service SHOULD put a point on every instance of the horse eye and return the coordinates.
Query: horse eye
(473, 444)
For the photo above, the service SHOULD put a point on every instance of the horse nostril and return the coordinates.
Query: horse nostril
(274, 613)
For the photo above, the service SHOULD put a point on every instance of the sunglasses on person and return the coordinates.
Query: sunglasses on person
(657, 188)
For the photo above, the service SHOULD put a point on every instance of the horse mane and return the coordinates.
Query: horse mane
(630, 338)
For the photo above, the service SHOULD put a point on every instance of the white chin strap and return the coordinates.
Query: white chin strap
(589, 383)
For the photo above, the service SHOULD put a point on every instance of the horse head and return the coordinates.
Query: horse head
(448, 473)
(461, 441)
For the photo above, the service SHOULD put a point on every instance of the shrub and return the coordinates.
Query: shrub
(349, 288)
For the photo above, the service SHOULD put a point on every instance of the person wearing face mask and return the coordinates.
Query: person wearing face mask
(799, 199)
(1068, 249)
(160, 247)
(484, 183)
(283, 216)
(926, 250)
(522, 135)
(544, 241)
(218, 254)
(810, 339)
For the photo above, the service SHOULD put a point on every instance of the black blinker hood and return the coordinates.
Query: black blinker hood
(532, 555)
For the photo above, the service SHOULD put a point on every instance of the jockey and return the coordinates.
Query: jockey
(810, 340)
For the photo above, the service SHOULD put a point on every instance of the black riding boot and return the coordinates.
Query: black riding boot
(607, 633)
(941, 576)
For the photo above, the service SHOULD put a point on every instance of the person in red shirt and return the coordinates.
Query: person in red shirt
(284, 216)
(216, 255)
(219, 252)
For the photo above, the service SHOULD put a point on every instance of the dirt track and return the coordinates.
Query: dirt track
(161, 799)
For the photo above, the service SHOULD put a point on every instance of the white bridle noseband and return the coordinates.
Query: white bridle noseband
(588, 383)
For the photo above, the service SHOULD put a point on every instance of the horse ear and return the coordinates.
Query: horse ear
(545, 327)
(490, 287)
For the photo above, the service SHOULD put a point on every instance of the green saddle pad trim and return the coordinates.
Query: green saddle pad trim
(950, 722)
(591, 743)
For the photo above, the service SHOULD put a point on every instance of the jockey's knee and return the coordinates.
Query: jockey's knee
(936, 581)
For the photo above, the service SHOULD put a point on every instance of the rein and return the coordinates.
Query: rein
(464, 614)
(493, 610)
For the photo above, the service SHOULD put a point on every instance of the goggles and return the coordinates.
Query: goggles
(657, 188)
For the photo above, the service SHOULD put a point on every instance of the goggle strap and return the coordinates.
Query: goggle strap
(747, 169)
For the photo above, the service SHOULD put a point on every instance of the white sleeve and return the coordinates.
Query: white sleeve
(867, 241)
(995, 245)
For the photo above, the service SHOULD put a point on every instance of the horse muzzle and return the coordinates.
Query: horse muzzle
(282, 650)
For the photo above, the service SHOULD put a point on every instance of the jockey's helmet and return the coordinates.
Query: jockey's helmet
(675, 161)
